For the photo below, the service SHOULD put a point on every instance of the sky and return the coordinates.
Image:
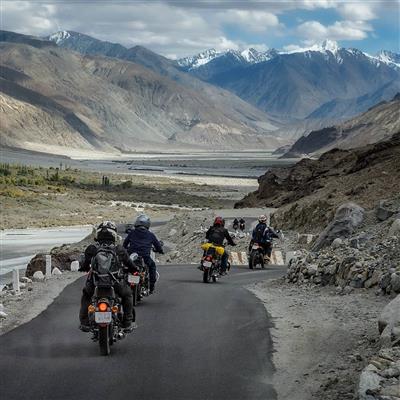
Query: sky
(178, 28)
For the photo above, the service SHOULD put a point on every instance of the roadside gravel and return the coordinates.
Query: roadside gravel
(34, 299)
(322, 340)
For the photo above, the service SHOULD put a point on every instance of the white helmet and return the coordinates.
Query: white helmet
(262, 219)
(143, 220)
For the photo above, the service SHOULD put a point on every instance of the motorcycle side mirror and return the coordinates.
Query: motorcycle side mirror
(134, 257)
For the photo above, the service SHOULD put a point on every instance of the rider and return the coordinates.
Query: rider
(263, 235)
(235, 224)
(216, 235)
(106, 235)
(141, 241)
(242, 224)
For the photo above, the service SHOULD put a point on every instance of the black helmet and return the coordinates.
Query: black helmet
(143, 220)
(106, 232)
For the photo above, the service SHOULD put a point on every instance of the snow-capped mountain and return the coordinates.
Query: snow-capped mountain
(329, 48)
(246, 57)
(59, 37)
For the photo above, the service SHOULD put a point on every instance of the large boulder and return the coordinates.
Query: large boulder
(347, 217)
(60, 259)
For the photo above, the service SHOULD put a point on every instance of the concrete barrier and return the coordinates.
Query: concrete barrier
(16, 281)
(48, 265)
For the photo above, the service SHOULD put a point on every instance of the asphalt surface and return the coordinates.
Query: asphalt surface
(194, 341)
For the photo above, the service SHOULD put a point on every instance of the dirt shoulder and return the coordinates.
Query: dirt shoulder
(322, 340)
(34, 298)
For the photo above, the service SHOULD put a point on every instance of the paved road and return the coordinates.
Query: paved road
(194, 341)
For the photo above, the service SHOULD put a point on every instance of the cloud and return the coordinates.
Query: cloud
(314, 31)
(250, 20)
(178, 28)
(357, 11)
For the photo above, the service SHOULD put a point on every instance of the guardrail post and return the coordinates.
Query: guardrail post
(48, 265)
(16, 281)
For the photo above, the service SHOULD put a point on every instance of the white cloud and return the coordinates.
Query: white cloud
(357, 11)
(314, 31)
(250, 20)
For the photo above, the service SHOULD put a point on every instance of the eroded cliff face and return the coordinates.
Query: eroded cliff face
(309, 191)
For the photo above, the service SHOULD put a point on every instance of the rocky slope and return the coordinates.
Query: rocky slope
(53, 99)
(310, 191)
(378, 123)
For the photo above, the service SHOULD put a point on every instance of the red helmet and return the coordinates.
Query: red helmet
(218, 221)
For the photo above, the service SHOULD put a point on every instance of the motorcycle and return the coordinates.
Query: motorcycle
(140, 281)
(105, 316)
(256, 256)
(210, 263)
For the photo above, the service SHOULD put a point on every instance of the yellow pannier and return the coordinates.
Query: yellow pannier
(218, 249)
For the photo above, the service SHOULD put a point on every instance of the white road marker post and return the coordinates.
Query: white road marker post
(16, 281)
(48, 265)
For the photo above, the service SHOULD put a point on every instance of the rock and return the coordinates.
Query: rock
(312, 269)
(56, 271)
(395, 282)
(3, 315)
(391, 391)
(395, 228)
(369, 382)
(172, 232)
(75, 266)
(348, 290)
(374, 280)
(383, 211)
(25, 279)
(337, 243)
(390, 315)
(347, 217)
(38, 276)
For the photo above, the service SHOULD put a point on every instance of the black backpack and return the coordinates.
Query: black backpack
(105, 263)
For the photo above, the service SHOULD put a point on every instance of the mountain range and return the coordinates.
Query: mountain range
(75, 90)
(53, 99)
(316, 83)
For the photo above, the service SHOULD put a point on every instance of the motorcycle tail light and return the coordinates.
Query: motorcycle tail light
(114, 309)
(91, 308)
(136, 273)
(102, 307)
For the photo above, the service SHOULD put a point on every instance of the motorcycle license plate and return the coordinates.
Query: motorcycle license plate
(255, 247)
(133, 278)
(207, 264)
(102, 317)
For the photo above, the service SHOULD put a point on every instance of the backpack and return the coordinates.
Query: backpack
(259, 231)
(104, 263)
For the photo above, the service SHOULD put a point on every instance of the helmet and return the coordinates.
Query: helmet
(219, 221)
(262, 219)
(143, 220)
(106, 232)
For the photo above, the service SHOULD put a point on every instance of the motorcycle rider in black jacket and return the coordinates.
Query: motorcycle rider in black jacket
(106, 234)
(216, 234)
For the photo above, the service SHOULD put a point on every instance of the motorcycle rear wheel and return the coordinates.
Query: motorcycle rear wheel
(135, 295)
(104, 340)
(206, 275)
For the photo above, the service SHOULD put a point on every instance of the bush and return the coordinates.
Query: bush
(126, 185)
(5, 169)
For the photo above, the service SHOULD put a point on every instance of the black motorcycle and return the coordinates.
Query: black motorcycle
(106, 314)
(256, 256)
